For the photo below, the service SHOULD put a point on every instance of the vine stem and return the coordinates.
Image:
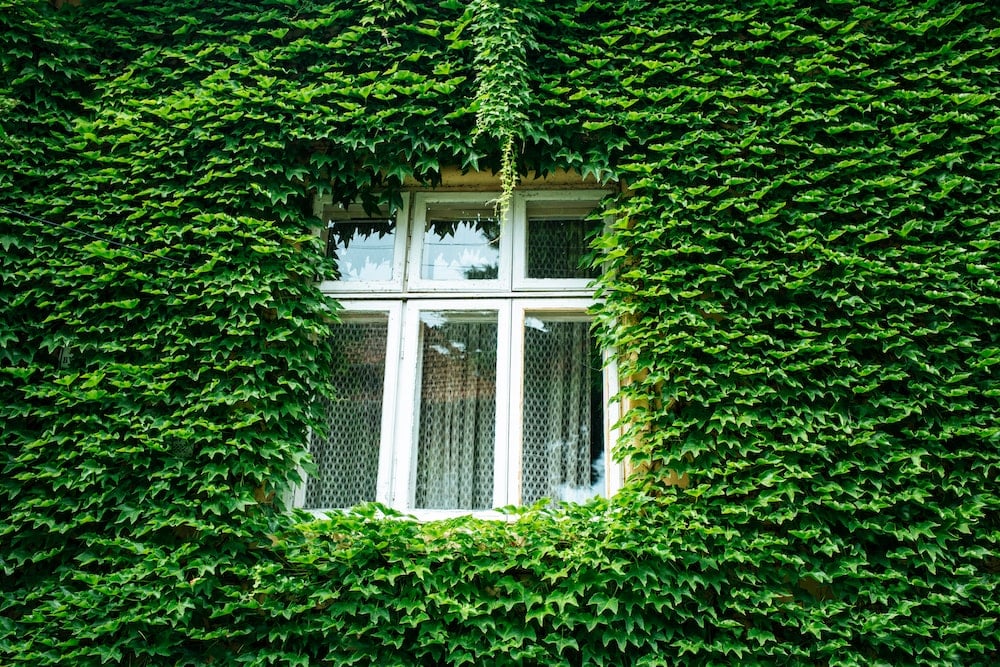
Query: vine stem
(508, 175)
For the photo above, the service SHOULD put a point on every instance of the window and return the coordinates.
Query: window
(467, 377)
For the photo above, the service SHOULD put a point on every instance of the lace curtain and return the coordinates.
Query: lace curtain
(561, 440)
(457, 433)
(456, 441)
(346, 450)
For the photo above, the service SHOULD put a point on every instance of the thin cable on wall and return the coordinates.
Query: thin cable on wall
(96, 237)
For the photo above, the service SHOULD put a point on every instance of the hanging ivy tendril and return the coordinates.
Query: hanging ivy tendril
(508, 176)
(502, 37)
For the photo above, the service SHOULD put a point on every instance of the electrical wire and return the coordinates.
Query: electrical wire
(91, 235)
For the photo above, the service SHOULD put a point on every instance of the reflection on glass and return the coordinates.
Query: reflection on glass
(362, 248)
(346, 450)
(460, 244)
(457, 413)
(563, 432)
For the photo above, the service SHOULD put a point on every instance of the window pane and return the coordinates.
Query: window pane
(460, 244)
(457, 412)
(346, 451)
(363, 248)
(558, 238)
(563, 433)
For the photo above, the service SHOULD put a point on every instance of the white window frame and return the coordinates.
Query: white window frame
(361, 287)
(416, 283)
(513, 297)
(519, 209)
(407, 426)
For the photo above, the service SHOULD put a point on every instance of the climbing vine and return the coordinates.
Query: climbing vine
(800, 284)
(502, 39)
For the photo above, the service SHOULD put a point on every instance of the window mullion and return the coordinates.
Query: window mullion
(504, 465)
(405, 431)
(391, 396)
(515, 403)
(615, 477)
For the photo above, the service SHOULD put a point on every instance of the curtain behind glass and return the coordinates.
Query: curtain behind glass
(457, 432)
(346, 451)
(562, 436)
(556, 248)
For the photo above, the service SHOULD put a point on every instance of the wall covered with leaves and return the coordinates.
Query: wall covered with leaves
(801, 284)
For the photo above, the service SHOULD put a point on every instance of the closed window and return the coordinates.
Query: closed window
(467, 376)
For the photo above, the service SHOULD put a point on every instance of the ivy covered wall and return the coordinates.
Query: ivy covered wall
(801, 285)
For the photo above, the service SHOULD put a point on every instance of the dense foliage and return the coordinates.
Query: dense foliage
(801, 286)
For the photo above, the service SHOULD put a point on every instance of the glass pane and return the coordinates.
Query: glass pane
(363, 248)
(461, 244)
(558, 238)
(346, 451)
(457, 433)
(563, 433)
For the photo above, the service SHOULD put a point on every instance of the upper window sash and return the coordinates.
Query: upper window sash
(362, 277)
(569, 212)
(451, 243)
(458, 245)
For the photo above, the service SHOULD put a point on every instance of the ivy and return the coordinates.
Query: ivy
(800, 283)
(503, 40)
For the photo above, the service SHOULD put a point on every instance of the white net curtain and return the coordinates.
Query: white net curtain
(346, 450)
(563, 412)
(457, 433)
(562, 436)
